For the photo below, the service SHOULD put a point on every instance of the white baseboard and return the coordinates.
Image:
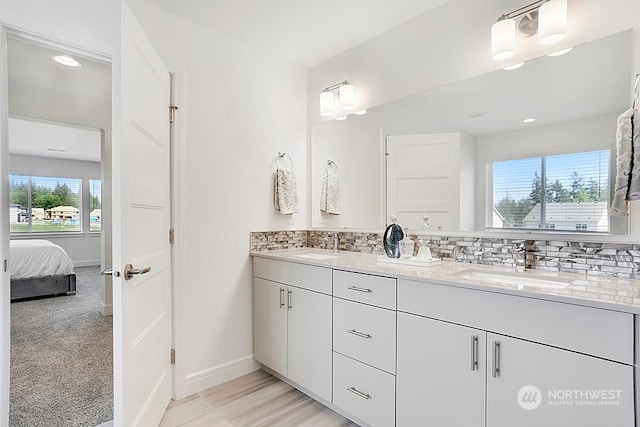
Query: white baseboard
(106, 309)
(88, 263)
(207, 378)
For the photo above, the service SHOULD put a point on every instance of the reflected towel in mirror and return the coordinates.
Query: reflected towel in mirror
(330, 196)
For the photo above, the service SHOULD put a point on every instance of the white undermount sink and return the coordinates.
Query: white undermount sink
(314, 255)
(512, 278)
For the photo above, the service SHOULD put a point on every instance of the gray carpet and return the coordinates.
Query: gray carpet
(62, 358)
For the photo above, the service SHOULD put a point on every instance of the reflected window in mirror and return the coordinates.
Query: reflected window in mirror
(568, 193)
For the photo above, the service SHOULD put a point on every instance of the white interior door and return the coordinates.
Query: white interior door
(141, 221)
(423, 179)
(4, 233)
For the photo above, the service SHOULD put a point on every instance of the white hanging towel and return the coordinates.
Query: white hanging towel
(285, 192)
(330, 196)
(619, 204)
(634, 182)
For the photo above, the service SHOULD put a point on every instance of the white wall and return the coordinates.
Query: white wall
(238, 107)
(84, 249)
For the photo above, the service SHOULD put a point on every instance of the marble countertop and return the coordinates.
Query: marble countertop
(606, 292)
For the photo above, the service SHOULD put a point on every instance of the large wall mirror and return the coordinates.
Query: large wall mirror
(466, 137)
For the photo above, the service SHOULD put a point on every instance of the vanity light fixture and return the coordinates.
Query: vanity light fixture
(67, 60)
(530, 120)
(338, 97)
(547, 18)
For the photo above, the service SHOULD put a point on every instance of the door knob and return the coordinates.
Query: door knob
(109, 272)
(129, 271)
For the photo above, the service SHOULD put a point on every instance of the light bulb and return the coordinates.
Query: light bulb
(552, 22)
(327, 107)
(67, 60)
(347, 97)
(503, 39)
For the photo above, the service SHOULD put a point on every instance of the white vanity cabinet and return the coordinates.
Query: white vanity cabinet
(544, 363)
(441, 373)
(292, 322)
(364, 346)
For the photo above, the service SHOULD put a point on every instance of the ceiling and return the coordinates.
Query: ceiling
(305, 32)
(44, 90)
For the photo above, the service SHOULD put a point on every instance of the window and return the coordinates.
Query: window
(568, 192)
(44, 204)
(95, 205)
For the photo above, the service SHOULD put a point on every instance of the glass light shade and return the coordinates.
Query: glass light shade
(552, 21)
(347, 97)
(327, 107)
(503, 39)
(67, 60)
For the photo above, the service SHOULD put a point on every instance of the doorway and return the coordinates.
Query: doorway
(44, 93)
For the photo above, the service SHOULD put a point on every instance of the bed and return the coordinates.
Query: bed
(39, 268)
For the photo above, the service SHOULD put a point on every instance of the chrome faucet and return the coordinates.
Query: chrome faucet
(336, 242)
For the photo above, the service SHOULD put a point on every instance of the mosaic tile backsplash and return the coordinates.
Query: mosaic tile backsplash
(609, 259)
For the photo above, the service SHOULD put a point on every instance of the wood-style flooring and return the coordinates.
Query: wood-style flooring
(255, 399)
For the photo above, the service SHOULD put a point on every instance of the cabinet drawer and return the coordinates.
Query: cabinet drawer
(363, 391)
(598, 332)
(374, 290)
(365, 333)
(301, 275)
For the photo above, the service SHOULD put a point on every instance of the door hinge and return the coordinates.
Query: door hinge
(172, 235)
(173, 356)
(6, 265)
(172, 113)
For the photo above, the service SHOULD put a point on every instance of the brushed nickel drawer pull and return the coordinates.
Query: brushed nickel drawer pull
(358, 333)
(496, 359)
(355, 288)
(359, 393)
(289, 300)
(281, 297)
(474, 352)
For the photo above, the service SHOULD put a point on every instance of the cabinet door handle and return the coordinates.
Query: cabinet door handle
(281, 297)
(474, 352)
(358, 333)
(355, 288)
(496, 359)
(289, 299)
(359, 393)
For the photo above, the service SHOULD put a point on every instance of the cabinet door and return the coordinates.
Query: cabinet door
(309, 349)
(440, 374)
(537, 385)
(270, 324)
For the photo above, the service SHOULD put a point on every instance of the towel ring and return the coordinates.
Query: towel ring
(280, 157)
(332, 163)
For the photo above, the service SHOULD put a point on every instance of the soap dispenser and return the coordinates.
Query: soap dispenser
(407, 245)
(392, 237)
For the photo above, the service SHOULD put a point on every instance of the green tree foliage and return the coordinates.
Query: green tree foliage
(94, 203)
(42, 196)
(514, 211)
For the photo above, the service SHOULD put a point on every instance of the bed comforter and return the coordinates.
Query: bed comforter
(37, 258)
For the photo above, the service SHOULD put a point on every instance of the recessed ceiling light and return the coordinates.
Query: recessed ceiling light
(561, 52)
(67, 60)
(514, 66)
(530, 120)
